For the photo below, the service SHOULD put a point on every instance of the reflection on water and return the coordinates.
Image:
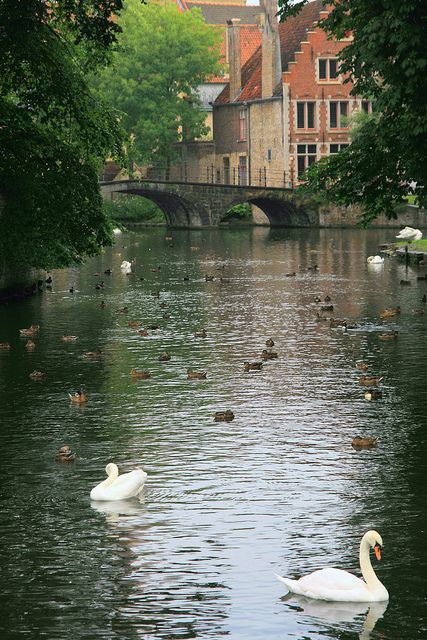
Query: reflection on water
(225, 505)
(369, 612)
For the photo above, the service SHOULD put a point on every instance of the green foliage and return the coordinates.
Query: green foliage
(134, 208)
(164, 55)
(241, 212)
(54, 135)
(387, 62)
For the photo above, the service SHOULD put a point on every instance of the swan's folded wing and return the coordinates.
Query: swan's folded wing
(330, 578)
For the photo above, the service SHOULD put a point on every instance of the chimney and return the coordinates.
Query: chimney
(234, 64)
(271, 59)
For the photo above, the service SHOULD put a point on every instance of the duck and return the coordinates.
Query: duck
(108, 271)
(359, 441)
(337, 585)
(103, 304)
(370, 381)
(69, 338)
(424, 299)
(327, 307)
(290, 275)
(335, 322)
(362, 366)
(375, 260)
(196, 375)
(37, 375)
(405, 283)
(164, 357)
(418, 312)
(320, 318)
(31, 331)
(49, 280)
(100, 285)
(143, 332)
(252, 366)
(269, 343)
(268, 354)
(119, 487)
(78, 397)
(65, 454)
(209, 278)
(224, 416)
(409, 234)
(317, 299)
(140, 374)
(72, 289)
(388, 335)
(5, 346)
(389, 313)
(123, 310)
(373, 394)
(92, 355)
(327, 299)
(134, 323)
(201, 334)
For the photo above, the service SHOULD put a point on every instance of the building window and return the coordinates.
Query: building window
(243, 177)
(242, 125)
(226, 169)
(305, 115)
(338, 112)
(306, 156)
(366, 106)
(328, 69)
(269, 155)
(336, 148)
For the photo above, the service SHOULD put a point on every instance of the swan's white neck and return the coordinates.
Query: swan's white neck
(112, 473)
(368, 573)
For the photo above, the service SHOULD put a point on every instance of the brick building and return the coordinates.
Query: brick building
(289, 106)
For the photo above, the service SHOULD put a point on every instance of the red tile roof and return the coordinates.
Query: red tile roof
(291, 33)
(250, 40)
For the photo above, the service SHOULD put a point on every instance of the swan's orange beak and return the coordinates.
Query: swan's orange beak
(377, 550)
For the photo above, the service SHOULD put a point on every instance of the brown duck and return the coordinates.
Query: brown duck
(65, 454)
(224, 416)
(78, 397)
(140, 374)
(252, 366)
(370, 381)
(196, 375)
(359, 442)
(268, 354)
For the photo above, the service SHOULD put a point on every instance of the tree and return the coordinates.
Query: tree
(54, 135)
(387, 62)
(164, 55)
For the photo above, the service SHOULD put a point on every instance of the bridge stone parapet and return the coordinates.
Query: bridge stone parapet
(187, 204)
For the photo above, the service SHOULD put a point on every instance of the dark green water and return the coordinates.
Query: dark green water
(226, 505)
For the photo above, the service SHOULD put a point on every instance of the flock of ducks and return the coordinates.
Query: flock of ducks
(326, 584)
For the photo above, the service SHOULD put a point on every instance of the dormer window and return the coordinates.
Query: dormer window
(328, 69)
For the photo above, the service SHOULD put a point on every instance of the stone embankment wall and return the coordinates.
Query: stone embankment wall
(332, 216)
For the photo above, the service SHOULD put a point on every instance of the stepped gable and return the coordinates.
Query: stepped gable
(291, 33)
(219, 12)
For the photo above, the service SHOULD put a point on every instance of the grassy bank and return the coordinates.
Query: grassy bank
(420, 245)
(134, 209)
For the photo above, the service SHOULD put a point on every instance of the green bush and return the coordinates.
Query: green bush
(240, 212)
(134, 208)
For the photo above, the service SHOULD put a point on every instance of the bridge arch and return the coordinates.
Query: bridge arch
(280, 212)
(178, 210)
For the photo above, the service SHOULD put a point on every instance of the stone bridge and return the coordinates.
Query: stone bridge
(189, 204)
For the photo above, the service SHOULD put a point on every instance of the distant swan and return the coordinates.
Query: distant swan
(409, 234)
(341, 586)
(126, 266)
(375, 260)
(116, 487)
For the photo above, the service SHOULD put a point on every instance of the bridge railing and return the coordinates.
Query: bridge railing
(239, 176)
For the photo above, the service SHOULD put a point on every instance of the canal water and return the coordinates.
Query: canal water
(226, 506)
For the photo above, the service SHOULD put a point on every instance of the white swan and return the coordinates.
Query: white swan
(341, 586)
(375, 260)
(116, 487)
(126, 266)
(409, 234)
(117, 231)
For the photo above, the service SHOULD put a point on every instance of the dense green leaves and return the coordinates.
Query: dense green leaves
(164, 55)
(387, 62)
(53, 133)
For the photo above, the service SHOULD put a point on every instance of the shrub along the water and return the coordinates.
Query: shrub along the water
(134, 209)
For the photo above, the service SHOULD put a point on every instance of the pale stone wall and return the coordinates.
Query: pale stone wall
(266, 143)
